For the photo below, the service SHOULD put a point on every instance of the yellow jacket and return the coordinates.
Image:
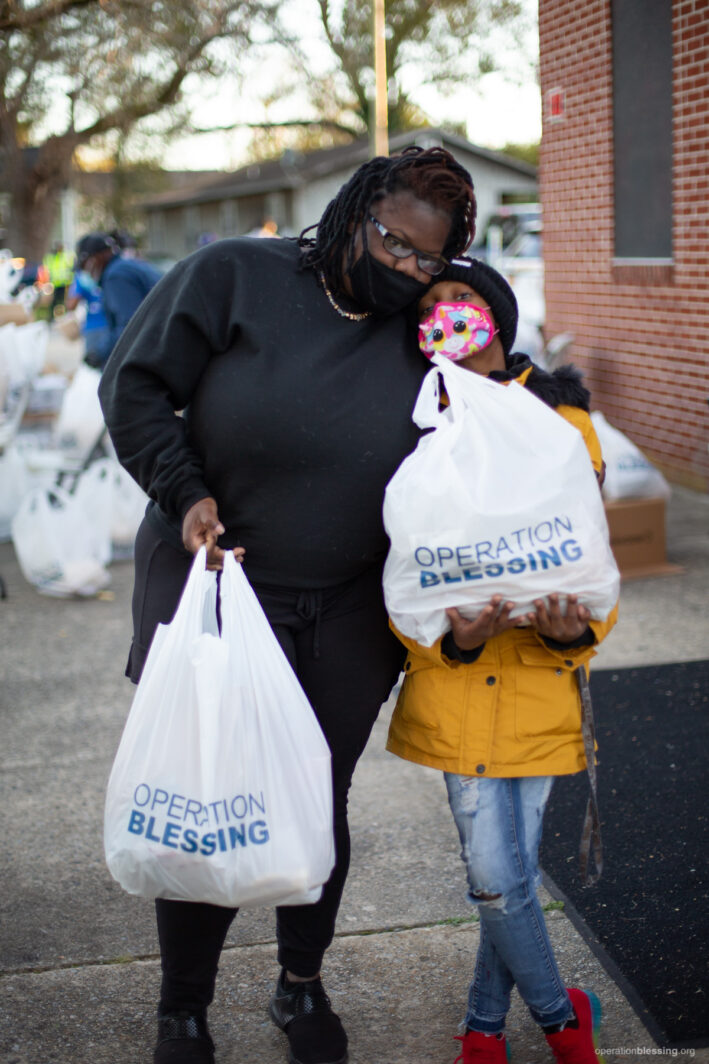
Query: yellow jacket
(60, 265)
(515, 711)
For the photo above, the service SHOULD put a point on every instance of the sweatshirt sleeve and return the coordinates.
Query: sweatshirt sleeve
(153, 373)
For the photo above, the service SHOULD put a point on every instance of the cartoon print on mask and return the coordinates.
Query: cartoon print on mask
(456, 330)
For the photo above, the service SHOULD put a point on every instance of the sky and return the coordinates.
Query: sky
(501, 109)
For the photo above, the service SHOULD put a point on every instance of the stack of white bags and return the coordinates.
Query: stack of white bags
(629, 474)
(64, 539)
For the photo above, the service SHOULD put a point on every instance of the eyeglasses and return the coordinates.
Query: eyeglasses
(429, 264)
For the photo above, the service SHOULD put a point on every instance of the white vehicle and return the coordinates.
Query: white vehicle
(522, 263)
(510, 220)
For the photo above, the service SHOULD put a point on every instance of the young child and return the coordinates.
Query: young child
(495, 704)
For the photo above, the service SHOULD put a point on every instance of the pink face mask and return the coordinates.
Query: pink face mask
(456, 330)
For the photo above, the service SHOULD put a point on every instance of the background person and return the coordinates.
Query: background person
(295, 366)
(126, 242)
(94, 328)
(124, 284)
(495, 705)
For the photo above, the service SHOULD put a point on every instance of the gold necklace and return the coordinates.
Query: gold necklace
(349, 314)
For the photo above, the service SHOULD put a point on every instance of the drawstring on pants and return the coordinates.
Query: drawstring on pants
(309, 608)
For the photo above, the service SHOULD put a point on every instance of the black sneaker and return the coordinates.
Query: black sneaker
(303, 1011)
(183, 1038)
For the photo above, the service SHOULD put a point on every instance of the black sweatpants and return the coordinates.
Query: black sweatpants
(338, 641)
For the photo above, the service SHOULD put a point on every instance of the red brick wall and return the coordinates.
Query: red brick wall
(641, 333)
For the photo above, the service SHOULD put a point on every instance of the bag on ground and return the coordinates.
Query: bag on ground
(23, 350)
(221, 787)
(501, 498)
(113, 498)
(61, 551)
(14, 485)
(80, 420)
(629, 474)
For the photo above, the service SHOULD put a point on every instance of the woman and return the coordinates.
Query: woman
(297, 372)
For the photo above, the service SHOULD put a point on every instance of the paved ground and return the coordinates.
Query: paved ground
(78, 957)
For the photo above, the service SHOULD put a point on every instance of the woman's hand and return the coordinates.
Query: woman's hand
(552, 623)
(201, 527)
(492, 620)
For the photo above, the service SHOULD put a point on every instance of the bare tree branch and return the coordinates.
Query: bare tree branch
(14, 16)
(295, 123)
(94, 68)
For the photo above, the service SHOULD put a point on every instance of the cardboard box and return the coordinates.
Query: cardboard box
(637, 534)
(13, 314)
(69, 326)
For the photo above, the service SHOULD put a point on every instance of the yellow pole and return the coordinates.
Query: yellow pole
(381, 118)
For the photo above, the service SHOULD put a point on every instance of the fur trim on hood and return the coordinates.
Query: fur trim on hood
(562, 387)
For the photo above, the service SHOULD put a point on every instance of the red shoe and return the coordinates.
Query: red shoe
(481, 1048)
(577, 1044)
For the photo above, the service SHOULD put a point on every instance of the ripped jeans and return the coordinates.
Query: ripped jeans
(500, 825)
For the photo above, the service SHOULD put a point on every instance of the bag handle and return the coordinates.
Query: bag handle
(463, 390)
(241, 609)
(196, 610)
(427, 412)
(244, 622)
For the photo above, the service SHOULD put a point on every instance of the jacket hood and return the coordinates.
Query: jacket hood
(563, 387)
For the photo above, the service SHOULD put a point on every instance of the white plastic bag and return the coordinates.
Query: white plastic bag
(501, 498)
(221, 788)
(23, 350)
(113, 499)
(629, 474)
(14, 485)
(80, 421)
(129, 502)
(60, 550)
(10, 275)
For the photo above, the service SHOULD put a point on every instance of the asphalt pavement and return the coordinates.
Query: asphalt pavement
(79, 965)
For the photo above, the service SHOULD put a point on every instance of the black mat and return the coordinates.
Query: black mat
(648, 917)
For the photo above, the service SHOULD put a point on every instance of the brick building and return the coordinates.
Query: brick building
(624, 181)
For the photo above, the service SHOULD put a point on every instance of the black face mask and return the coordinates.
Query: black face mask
(381, 289)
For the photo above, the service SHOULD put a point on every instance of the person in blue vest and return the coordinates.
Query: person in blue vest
(124, 284)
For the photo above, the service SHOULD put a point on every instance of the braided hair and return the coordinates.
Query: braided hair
(431, 175)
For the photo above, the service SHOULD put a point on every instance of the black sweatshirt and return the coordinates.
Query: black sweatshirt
(294, 417)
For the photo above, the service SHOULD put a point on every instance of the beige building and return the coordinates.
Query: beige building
(294, 190)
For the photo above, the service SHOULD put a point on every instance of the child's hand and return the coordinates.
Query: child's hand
(554, 624)
(492, 620)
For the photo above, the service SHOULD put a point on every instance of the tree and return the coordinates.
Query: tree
(441, 43)
(528, 153)
(76, 72)
(444, 43)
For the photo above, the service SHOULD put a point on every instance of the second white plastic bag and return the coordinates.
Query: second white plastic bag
(501, 498)
(221, 788)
